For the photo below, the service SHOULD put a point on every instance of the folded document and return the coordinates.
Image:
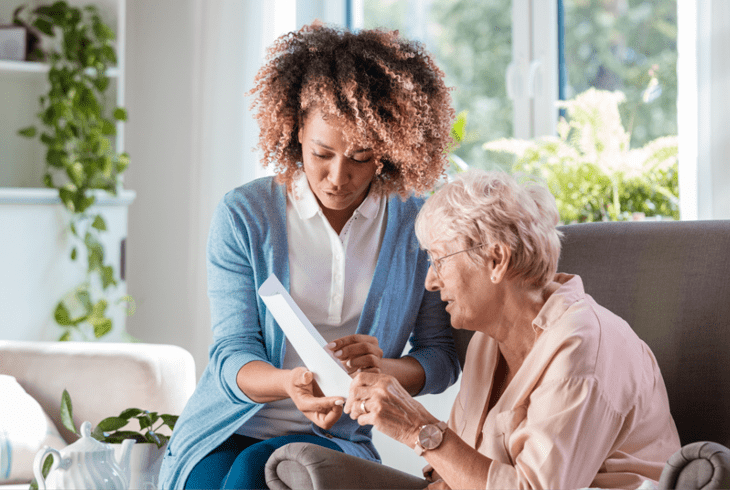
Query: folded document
(329, 373)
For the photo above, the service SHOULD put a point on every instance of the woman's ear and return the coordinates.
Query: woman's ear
(500, 257)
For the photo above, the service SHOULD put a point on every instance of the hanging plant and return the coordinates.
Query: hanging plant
(76, 128)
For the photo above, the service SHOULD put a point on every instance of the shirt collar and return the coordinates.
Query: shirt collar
(570, 291)
(306, 204)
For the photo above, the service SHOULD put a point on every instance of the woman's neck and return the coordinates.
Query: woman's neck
(516, 334)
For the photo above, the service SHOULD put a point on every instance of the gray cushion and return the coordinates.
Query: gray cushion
(308, 466)
(703, 465)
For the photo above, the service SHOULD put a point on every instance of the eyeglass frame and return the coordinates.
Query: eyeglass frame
(435, 262)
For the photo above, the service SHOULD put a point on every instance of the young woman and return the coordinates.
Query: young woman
(356, 125)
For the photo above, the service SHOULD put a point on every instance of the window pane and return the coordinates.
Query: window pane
(631, 46)
(471, 41)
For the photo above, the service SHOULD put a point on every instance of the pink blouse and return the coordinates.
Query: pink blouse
(587, 408)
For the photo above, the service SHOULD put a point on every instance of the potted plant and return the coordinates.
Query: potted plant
(76, 127)
(148, 450)
(591, 169)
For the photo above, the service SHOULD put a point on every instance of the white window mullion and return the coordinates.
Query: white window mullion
(518, 70)
(532, 77)
(542, 80)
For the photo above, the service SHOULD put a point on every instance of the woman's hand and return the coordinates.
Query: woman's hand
(309, 399)
(358, 353)
(380, 400)
(438, 485)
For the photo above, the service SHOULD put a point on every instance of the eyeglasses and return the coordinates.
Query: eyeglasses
(436, 263)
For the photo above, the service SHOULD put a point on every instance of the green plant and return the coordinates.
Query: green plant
(80, 157)
(109, 429)
(590, 168)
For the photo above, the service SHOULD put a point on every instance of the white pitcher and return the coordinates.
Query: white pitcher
(85, 464)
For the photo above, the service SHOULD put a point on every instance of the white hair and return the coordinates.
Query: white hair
(481, 207)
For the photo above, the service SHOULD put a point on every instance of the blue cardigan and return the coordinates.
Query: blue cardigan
(247, 243)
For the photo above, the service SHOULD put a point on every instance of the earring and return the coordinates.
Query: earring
(494, 278)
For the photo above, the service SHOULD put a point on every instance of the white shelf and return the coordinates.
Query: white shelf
(32, 67)
(42, 195)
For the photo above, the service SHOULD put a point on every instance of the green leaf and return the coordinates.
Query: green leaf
(153, 438)
(65, 337)
(74, 254)
(129, 413)
(28, 132)
(169, 420)
(122, 163)
(120, 114)
(67, 411)
(99, 223)
(163, 439)
(107, 276)
(458, 130)
(118, 437)
(62, 315)
(111, 424)
(44, 26)
(75, 172)
(85, 203)
(97, 433)
(144, 420)
(102, 328)
(82, 294)
(108, 128)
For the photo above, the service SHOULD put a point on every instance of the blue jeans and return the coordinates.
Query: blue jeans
(239, 462)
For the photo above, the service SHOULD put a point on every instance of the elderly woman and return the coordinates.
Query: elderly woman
(354, 125)
(557, 392)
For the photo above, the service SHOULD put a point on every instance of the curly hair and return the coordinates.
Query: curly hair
(386, 91)
(481, 207)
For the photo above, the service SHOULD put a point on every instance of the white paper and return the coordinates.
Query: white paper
(328, 371)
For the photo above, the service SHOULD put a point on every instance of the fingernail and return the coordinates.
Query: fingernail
(339, 402)
(338, 353)
(331, 345)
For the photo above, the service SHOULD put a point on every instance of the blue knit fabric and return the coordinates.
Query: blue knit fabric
(247, 243)
(239, 462)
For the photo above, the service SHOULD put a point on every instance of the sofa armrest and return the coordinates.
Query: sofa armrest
(103, 378)
(701, 464)
(301, 465)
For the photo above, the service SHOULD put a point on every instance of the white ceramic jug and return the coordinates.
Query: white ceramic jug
(85, 464)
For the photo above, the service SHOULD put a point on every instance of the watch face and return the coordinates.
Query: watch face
(430, 437)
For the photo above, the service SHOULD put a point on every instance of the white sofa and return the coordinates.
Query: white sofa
(102, 378)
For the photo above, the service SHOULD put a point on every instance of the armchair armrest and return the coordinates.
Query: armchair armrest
(307, 466)
(697, 465)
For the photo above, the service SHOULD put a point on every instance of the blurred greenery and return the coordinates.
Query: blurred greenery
(591, 168)
(626, 45)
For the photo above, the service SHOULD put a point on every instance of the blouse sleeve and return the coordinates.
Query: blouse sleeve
(237, 334)
(563, 439)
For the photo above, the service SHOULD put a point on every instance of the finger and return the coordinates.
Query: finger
(363, 362)
(317, 404)
(332, 416)
(356, 338)
(353, 351)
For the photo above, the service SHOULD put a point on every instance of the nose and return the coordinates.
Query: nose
(338, 172)
(433, 282)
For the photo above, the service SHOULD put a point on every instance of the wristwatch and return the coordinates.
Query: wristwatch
(429, 437)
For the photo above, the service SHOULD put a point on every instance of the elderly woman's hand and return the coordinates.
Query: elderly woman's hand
(358, 353)
(381, 401)
(309, 399)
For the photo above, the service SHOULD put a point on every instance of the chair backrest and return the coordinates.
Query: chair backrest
(671, 282)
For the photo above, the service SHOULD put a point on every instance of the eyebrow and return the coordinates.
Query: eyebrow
(320, 143)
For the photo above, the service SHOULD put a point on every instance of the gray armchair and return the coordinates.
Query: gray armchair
(671, 282)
